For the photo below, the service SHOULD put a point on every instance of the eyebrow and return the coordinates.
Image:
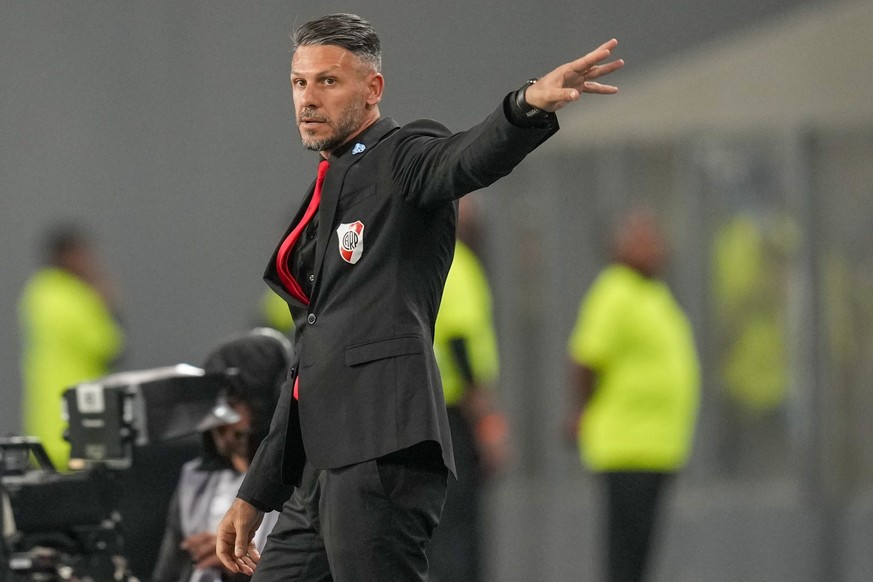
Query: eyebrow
(317, 74)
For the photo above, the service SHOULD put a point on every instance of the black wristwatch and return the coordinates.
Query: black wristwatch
(526, 108)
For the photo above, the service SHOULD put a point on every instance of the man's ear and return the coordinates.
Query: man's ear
(375, 85)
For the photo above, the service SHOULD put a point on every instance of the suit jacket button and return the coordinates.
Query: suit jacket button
(311, 319)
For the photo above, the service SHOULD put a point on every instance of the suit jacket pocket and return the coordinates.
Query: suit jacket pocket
(385, 348)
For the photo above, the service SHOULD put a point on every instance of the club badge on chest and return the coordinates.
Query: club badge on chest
(351, 241)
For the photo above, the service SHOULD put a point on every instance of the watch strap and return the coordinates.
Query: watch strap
(526, 108)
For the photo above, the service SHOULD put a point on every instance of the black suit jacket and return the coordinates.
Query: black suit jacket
(369, 383)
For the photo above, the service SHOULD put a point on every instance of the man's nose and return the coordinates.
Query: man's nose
(306, 97)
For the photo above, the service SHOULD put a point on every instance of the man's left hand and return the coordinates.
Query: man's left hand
(567, 83)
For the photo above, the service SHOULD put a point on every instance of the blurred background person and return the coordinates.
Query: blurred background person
(70, 332)
(635, 381)
(751, 252)
(465, 345)
(256, 362)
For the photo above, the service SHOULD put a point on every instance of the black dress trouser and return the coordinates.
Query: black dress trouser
(368, 522)
(634, 503)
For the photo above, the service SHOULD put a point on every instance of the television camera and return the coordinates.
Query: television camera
(66, 525)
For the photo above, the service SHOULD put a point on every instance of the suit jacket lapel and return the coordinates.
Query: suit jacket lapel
(332, 188)
(270, 275)
(330, 193)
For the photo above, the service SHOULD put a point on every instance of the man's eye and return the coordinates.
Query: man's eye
(330, 81)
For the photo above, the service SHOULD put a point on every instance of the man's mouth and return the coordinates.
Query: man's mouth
(310, 126)
(311, 120)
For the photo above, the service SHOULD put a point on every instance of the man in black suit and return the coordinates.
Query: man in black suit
(359, 449)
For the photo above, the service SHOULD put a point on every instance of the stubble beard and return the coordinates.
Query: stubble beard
(348, 122)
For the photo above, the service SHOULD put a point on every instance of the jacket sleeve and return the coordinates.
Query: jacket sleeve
(270, 480)
(431, 166)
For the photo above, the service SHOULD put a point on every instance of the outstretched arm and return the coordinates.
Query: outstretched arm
(566, 83)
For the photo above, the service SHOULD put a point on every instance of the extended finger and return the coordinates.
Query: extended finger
(592, 87)
(608, 45)
(596, 71)
(582, 64)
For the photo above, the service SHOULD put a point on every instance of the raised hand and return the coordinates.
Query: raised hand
(566, 83)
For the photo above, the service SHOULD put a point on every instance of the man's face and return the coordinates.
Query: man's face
(642, 245)
(335, 95)
(233, 439)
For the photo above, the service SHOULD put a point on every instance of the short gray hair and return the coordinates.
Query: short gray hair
(347, 31)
